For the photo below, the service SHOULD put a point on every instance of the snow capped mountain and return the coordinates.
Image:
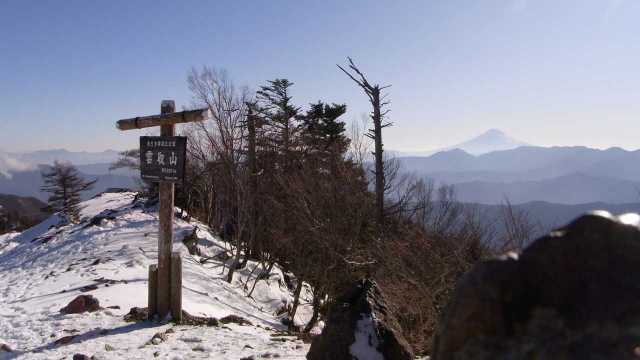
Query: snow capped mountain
(43, 268)
(491, 140)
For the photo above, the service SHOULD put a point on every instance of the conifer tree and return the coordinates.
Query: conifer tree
(64, 184)
(274, 102)
(323, 134)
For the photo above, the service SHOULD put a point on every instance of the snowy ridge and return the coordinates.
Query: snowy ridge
(45, 267)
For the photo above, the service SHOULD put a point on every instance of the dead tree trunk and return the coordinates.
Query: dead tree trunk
(316, 312)
(239, 229)
(253, 178)
(377, 137)
(296, 302)
(373, 92)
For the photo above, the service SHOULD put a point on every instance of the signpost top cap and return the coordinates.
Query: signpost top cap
(168, 106)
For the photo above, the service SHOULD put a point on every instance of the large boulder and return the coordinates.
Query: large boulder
(573, 294)
(82, 303)
(360, 326)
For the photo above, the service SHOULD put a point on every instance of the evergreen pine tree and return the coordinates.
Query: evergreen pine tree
(64, 184)
(323, 134)
(280, 115)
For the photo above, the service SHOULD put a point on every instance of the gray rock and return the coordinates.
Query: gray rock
(235, 319)
(82, 303)
(136, 314)
(572, 294)
(360, 316)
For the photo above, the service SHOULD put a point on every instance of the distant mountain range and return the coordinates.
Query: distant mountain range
(568, 175)
(486, 169)
(489, 141)
(28, 183)
(530, 163)
(560, 174)
(568, 189)
(14, 161)
(25, 206)
(18, 213)
(20, 173)
(547, 216)
(77, 158)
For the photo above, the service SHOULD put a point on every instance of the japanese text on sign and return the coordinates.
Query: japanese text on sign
(162, 158)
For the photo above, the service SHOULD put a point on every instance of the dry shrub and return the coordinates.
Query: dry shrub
(418, 271)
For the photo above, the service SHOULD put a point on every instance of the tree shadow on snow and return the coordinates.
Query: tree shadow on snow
(77, 289)
(99, 333)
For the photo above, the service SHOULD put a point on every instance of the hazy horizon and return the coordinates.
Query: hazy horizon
(402, 151)
(546, 73)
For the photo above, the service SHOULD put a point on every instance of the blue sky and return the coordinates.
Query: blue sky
(547, 72)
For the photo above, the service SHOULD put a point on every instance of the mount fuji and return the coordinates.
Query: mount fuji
(489, 141)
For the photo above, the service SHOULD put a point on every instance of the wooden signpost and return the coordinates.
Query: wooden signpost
(162, 159)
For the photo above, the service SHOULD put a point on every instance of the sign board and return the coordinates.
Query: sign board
(162, 158)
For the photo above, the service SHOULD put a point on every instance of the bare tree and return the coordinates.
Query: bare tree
(518, 228)
(360, 143)
(377, 101)
(217, 148)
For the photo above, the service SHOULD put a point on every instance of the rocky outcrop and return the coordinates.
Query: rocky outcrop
(360, 326)
(235, 319)
(82, 303)
(572, 294)
(137, 314)
(190, 241)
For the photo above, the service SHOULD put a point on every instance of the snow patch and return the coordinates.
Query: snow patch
(365, 347)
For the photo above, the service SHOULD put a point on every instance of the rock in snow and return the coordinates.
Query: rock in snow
(82, 303)
(360, 326)
(570, 295)
(137, 314)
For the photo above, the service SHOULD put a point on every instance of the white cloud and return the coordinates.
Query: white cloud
(10, 164)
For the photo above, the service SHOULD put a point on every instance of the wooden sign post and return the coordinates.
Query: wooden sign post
(162, 159)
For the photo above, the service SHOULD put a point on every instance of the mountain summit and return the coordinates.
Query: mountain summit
(490, 140)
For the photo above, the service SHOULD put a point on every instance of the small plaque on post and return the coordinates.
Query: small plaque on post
(163, 158)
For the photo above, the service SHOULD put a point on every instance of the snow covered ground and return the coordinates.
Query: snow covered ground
(47, 266)
(6, 241)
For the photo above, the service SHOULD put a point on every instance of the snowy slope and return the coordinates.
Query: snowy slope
(45, 267)
(6, 241)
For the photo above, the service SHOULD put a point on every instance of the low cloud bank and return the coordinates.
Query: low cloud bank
(10, 164)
